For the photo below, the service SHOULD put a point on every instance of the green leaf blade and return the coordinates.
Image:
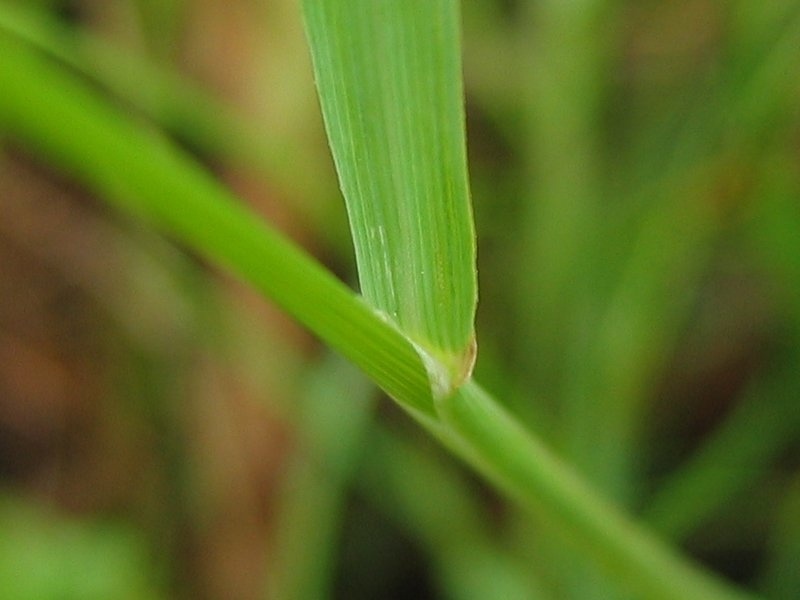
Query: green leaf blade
(389, 80)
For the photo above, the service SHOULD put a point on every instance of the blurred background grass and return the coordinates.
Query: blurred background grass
(635, 166)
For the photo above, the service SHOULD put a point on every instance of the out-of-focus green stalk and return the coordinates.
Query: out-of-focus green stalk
(674, 223)
(334, 418)
(566, 51)
(766, 421)
(179, 106)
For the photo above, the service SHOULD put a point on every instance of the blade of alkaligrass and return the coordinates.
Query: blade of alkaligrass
(389, 79)
(67, 122)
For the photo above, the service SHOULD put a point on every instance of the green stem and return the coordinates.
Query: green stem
(478, 428)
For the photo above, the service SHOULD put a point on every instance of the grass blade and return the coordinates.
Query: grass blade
(389, 81)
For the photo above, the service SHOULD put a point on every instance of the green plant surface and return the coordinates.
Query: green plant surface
(388, 75)
(45, 555)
